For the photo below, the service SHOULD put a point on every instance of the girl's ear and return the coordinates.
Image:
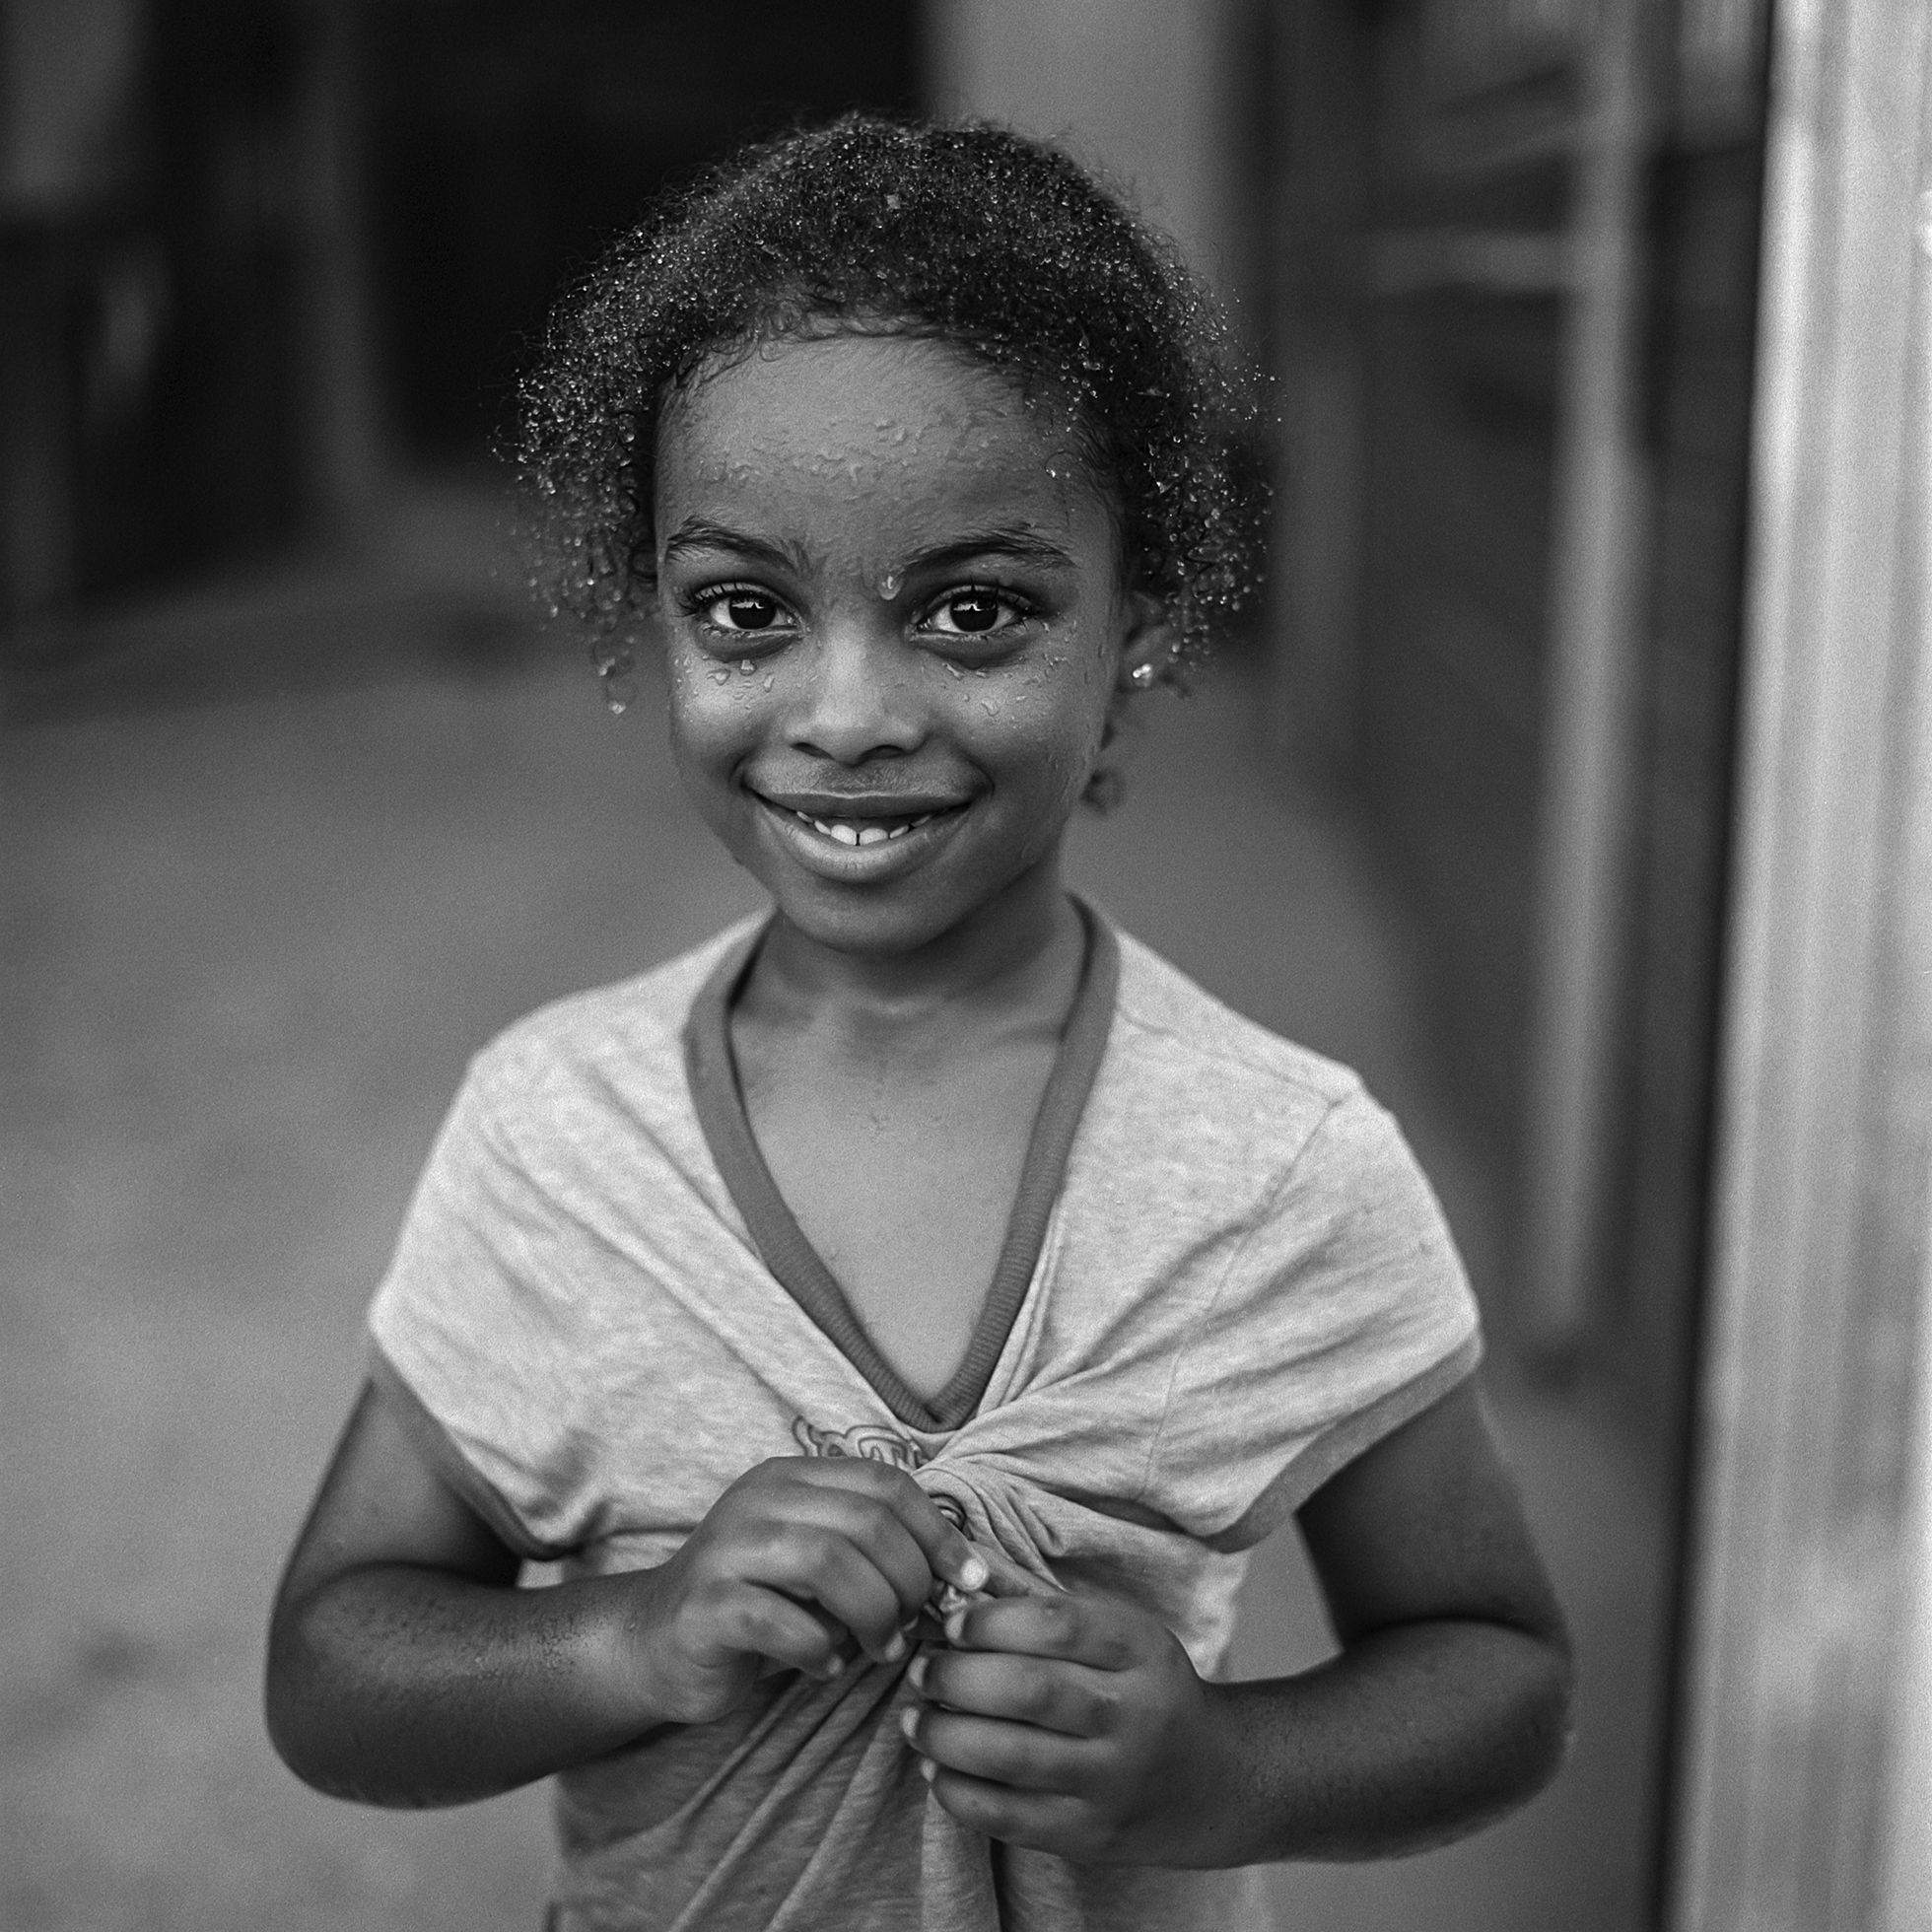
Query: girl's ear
(1150, 643)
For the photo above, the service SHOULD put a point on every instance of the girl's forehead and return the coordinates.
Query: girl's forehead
(863, 416)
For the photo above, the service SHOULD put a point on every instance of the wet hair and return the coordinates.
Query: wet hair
(971, 233)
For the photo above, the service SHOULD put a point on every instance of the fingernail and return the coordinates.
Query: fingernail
(895, 1648)
(916, 1676)
(956, 1627)
(909, 1723)
(973, 1574)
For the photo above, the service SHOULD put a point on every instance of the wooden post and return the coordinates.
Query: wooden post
(1804, 1776)
(1315, 697)
(350, 465)
(1590, 731)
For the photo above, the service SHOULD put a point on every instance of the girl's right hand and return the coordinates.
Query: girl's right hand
(797, 1561)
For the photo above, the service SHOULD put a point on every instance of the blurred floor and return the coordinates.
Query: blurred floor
(248, 943)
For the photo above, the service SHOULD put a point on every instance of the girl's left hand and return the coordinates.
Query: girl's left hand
(1072, 1724)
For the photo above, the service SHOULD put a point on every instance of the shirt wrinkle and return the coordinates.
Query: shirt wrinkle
(582, 1314)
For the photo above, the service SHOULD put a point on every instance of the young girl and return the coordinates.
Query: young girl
(901, 1315)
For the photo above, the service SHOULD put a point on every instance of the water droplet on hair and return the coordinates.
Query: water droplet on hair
(614, 664)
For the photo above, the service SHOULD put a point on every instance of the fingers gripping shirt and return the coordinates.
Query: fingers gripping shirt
(1242, 1283)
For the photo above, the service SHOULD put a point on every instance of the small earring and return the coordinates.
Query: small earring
(1142, 676)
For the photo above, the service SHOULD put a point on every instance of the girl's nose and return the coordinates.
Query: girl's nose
(863, 703)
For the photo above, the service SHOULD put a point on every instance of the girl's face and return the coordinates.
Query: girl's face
(893, 614)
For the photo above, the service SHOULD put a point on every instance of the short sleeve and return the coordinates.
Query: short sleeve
(1344, 1313)
(475, 1327)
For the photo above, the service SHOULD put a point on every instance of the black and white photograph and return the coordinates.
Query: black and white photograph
(966, 966)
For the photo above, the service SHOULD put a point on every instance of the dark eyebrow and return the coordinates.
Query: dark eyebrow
(1015, 542)
(695, 533)
(1021, 545)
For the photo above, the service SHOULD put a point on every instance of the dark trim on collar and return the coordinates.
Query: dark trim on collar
(712, 1074)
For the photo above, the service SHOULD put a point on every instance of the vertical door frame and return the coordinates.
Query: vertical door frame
(1804, 1751)
(1591, 733)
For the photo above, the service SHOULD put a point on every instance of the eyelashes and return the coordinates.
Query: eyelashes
(736, 609)
(965, 612)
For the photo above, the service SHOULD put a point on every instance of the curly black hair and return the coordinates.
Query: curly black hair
(984, 237)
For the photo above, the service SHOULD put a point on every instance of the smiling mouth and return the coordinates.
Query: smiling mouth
(864, 831)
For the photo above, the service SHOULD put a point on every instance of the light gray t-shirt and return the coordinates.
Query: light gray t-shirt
(1225, 1277)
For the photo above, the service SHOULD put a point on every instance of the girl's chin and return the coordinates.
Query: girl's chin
(863, 933)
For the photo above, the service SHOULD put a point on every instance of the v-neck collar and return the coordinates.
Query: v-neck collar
(712, 1074)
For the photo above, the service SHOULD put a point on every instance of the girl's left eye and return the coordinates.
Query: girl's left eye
(741, 610)
(976, 613)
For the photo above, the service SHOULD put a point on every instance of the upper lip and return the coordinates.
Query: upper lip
(861, 805)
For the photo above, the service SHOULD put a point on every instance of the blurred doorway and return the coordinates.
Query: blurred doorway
(1515, 303)
(504, 145)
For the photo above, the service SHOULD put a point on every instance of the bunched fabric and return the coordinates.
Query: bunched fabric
(1225, 1277)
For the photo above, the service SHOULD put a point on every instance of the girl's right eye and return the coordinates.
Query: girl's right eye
(739, 610)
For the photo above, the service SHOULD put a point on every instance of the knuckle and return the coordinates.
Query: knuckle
(972, 1805)
(873, 1519)
(820, 1548)
(872, 1476)
(1059, 1616)
(1033, 1693)
(1103, 1709)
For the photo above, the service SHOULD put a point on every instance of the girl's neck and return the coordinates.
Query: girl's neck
(1022, 947)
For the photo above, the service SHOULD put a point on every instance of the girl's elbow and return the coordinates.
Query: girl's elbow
(288, 1704)
(1544, 1719)
(303, 1702)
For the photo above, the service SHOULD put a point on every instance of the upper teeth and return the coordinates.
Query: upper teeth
(851, 832)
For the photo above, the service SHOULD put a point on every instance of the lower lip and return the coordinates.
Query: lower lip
(867, 864)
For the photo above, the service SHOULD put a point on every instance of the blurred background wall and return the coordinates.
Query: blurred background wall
(268, 269)
(268, 262)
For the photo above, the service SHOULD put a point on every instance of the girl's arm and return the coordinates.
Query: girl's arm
(1078, 1725)
(406, 1668)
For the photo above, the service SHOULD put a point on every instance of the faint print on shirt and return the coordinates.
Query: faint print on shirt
(872, 1442)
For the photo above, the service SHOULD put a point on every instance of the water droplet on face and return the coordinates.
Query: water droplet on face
(888, 586)
(720, 676)
(955, 670)
(746, 668)
(988, 706)
(770, 681)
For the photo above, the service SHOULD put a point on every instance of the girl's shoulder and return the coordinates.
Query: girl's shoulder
(1172, 1031)
(627, 1032)
(1190, 1084)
